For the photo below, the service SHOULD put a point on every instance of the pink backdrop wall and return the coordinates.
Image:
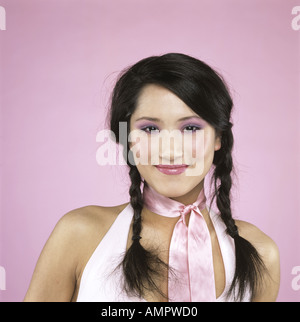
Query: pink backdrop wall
(59, 59)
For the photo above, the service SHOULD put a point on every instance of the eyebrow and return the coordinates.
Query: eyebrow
(158, 120)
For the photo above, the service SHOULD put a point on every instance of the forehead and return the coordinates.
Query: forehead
(159, 102)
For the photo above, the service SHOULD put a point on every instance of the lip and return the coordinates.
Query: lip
(171, 169)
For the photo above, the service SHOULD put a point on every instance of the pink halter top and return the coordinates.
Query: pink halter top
(190, 255)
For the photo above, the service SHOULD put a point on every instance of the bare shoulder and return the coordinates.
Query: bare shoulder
(264, 244)
(81, 229)
(269, 253)
(88, 218)
(65, 253)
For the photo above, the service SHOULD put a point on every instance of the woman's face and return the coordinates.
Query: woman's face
(173, 148)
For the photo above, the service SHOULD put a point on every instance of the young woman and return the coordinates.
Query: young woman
(166, 244)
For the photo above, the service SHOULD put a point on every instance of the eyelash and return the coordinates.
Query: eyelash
(147, 127)
(195, 128)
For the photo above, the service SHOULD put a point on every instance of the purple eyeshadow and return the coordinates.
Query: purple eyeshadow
(193, 122)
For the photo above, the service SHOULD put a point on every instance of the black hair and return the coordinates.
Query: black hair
(206, 93)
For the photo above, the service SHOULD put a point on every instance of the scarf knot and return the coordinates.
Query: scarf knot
(185, 210)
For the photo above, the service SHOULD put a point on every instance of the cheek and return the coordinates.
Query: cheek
(199, 153)
(195, 146)
(140, 147)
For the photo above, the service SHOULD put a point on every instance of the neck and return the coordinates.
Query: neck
(156, 218)
(191, 196)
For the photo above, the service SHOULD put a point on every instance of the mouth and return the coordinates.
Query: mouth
(171, 169)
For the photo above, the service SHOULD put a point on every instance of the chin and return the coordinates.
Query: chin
(170, 188)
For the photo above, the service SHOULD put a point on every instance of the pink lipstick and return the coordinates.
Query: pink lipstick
(171, 169)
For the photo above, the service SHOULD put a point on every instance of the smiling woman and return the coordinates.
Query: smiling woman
(166, 244)
(194, 154)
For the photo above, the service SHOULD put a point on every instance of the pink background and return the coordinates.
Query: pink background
(59, 59)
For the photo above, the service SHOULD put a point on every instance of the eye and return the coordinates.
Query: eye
(191, 128)
(150, 129)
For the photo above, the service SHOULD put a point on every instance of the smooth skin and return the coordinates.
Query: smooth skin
(60, 266)
(75, 237)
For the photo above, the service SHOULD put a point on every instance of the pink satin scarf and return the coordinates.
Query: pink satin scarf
(190, 253)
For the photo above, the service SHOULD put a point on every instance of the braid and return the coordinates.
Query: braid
(140, 266)
(249, 264)
(222, 172)
(136, 201)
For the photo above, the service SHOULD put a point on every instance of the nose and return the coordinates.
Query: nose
(170, 147)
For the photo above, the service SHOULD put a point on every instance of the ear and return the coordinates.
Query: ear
(218, 142)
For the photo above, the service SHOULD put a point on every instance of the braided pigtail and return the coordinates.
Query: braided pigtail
(142, 268)
(249, 265)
